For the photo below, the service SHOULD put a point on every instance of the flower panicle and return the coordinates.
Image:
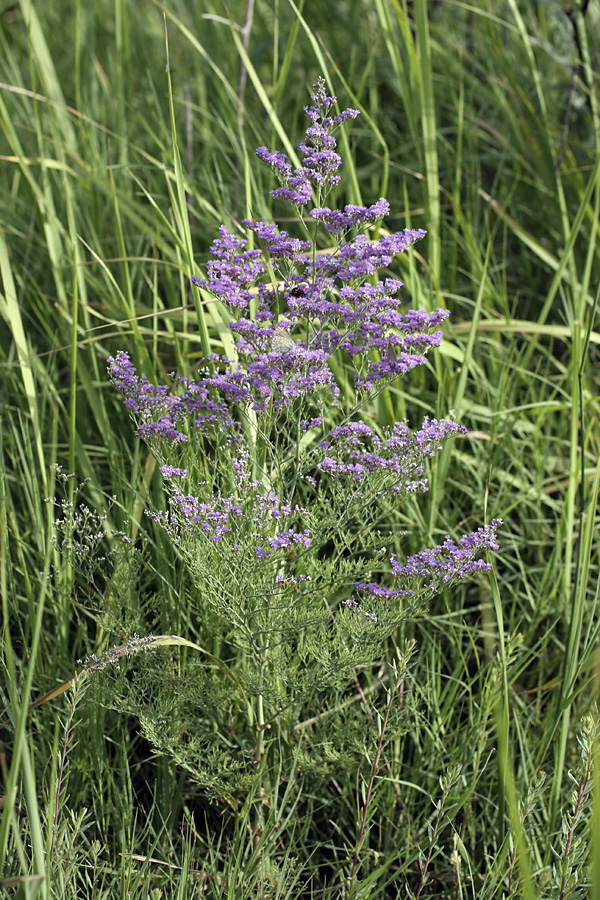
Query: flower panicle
(320, 161)
(292, 308)
(450, 562)
(335, 296)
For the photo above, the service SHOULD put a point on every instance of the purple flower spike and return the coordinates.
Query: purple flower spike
(357, 453)
(320, 159)
(231, 272)
(448, 563)
(353, 216)
(239, 443)
(430, 571)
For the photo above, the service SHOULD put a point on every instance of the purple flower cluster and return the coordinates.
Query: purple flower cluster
(231, 269)
(251, 517)
(357, 452)
(427, 573)
(336, 221)
(165, 417)
(320, 159)
(448, 562)
(293, 307)
(335, 296)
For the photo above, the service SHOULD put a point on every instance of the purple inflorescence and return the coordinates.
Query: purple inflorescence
(320, 161)
(166, 417)
(250, 514)
(449, 562)
(433, 570)
(336, 221)
(356, 452)
(292, 308)
(327, 294)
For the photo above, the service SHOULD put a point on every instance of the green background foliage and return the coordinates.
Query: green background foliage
(127, 137)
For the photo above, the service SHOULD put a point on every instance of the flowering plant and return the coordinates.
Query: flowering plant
(275, 484)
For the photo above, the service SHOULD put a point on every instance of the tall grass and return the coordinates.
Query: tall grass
(480, 123)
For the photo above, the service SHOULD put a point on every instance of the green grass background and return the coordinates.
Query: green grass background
(127, 137)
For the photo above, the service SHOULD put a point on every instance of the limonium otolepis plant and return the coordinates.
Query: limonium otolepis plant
(277, 487)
